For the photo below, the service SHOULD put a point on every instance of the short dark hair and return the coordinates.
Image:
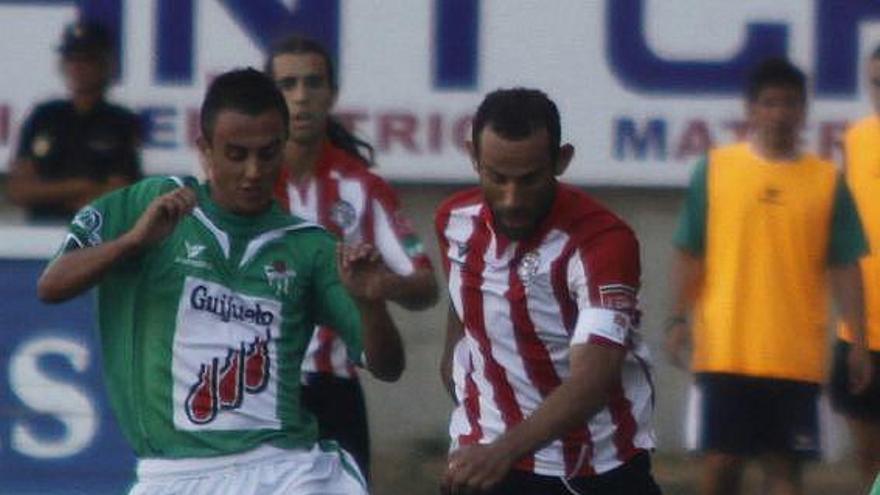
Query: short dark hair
(248, 91)
(775, 72)
(516, 114)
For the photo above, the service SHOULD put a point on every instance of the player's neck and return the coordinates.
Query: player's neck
(301, 159)
(775, 152)
(85, 101)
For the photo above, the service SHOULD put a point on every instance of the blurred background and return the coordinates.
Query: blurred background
(644, 88)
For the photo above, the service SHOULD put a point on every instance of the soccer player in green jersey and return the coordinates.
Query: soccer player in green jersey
(207, 297)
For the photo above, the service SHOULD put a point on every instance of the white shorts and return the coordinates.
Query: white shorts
(264, 470)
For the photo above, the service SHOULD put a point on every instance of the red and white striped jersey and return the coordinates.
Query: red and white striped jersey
(347, 199)
(523, 304)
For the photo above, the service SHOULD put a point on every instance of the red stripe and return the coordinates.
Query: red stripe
(369, 222)
(472, 302)
(472, 409)
(624, 423)
(323, 363)
(536, 358)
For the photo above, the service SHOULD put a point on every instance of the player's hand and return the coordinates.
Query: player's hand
(162, 216)
(677, 343)
(361, 271)
(860, 368)
(475, 469)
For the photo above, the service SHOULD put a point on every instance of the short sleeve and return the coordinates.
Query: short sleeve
(131, 161)
(690, 235)
(604, 276)
(847, 242)
(334, 306)
(26, 136)
(113, 214)
(393, 234)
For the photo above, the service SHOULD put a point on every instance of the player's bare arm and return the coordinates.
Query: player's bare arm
(686, 281)
(76, 271)
(26, 189)
(595, 369)
(360, 270)
(846, 287)
(415, 291)
(454, 333)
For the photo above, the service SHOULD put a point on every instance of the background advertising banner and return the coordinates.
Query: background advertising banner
(57, 433)
(644, 86)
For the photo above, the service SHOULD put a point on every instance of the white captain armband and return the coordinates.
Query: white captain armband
(603, 325)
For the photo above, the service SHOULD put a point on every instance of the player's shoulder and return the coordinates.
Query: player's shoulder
(866, 126)
(343, 162)
(463, 203)
(158, 185)
(729, 153)
(50, 109)
(584, 218)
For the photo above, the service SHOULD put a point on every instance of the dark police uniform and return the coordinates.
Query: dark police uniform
(65, 144)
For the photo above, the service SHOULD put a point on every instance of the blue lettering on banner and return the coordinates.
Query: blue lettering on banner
(836, 57)
(268, 21)
(158, 127)
(837, 32)
(176, 25)
(456, 50)
(630, 142)
(637, 66)
(57, 434)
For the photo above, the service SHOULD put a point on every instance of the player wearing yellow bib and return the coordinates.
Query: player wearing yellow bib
(862, 146)
(763, 227)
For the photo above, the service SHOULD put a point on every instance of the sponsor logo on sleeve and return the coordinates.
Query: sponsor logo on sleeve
(41, 146)
(617, 296)
(89, 221)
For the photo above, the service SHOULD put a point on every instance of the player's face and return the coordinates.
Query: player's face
(243, 158)
(777, 115)
(85, 72)
(304, 81)
(874, 82)
(518, 179)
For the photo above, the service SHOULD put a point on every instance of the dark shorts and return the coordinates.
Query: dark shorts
(632, 478)
(864, 406)
(747, 416)
(338, 403)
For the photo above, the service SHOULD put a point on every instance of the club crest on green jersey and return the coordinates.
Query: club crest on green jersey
(278, 276)
(89, 221)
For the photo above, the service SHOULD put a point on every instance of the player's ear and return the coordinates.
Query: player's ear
(205, 160)
(566, 153)
(472, 154)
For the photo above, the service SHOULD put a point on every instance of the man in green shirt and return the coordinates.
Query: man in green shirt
(207, 298)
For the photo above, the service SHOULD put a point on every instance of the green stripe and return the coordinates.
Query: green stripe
(331, 446)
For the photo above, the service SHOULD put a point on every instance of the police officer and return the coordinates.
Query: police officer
(76, 149)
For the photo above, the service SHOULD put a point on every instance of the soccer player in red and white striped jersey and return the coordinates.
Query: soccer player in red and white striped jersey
(543, 355)
(326, 180)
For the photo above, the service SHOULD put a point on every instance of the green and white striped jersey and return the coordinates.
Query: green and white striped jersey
(203, 334)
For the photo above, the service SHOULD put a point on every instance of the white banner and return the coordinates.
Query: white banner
(643, 86)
